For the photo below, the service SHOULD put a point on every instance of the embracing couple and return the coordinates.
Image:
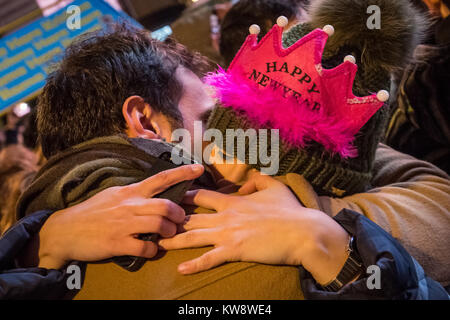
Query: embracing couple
(310, 231)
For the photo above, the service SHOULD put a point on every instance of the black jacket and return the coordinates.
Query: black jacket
(29, 283)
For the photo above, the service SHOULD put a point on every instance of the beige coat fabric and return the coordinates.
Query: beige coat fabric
(159, 279)
(410, 199)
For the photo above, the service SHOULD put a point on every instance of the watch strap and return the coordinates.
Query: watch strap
(351, 269)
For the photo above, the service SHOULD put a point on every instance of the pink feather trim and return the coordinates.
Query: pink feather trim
(298, 124)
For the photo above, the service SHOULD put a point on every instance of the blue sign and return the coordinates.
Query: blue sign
(26, 55)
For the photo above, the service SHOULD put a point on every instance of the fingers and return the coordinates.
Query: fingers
(248, 187)
(160, 207)
(258, 182)
(165, 179)
(189, 197)
(190, 239)
(207, 199)
(207, 261)
(137, 248)
(152, 224)
(203, 221)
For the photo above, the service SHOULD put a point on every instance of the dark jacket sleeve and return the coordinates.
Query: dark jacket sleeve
(420, 123)
(401, 276)
(27, 283)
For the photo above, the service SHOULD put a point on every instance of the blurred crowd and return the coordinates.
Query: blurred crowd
(20, 159)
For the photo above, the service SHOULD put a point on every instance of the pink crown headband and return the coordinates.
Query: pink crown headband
(288, 89)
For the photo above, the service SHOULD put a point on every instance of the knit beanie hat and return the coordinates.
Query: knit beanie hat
(333, 164)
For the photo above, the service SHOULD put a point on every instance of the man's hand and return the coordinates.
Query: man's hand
(268, 226)
(107, 224)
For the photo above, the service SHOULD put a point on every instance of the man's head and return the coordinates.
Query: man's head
(120, 80)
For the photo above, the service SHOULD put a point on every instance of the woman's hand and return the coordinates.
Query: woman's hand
(268, 226)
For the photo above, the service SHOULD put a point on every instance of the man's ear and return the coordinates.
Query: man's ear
(140, 118)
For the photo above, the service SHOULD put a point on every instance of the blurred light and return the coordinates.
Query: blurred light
(162, 34)
(21, 109)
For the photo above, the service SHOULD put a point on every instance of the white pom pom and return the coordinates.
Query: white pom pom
(383, 95)
(350, 58)
(254, 29)
(329, 29)
(282, 21)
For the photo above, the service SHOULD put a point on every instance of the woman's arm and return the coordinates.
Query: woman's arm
(410, 200)
(270, 226)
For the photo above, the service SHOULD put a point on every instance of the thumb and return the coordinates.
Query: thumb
(258, 182)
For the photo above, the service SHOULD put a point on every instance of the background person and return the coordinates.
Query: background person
(419, 125)
(234, 27)
(18, 165)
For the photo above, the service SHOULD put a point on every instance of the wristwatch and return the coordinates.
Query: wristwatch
(352, 268)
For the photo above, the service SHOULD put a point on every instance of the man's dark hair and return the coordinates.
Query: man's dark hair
(264, 13)
(83, 97)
